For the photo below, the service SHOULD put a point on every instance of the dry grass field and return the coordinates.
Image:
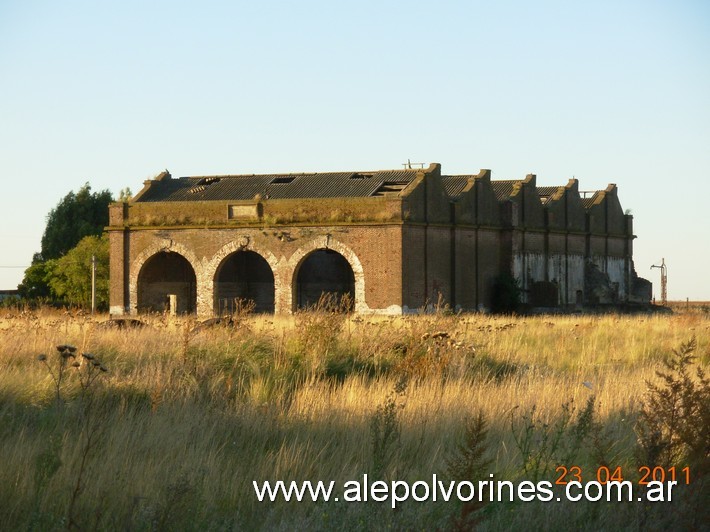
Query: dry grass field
(172, 434)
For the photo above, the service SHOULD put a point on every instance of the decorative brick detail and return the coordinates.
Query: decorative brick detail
(325, 242)
(167, 245)
(243, 243)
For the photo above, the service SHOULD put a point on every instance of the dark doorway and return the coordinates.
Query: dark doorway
(244, 276)
(163, 274)
(324, 272)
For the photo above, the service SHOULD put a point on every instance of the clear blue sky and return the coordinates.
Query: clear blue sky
(608, 92)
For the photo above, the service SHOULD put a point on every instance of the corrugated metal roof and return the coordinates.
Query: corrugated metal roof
(454, 184)
(546, 193)
(276, 186)
(316, 185)
(503, 189)
(590, 200)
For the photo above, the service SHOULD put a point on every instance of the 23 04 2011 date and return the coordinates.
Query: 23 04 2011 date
(606, 474)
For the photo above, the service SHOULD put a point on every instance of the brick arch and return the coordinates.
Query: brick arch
(150, 251)
(242, 245)
(327, 242)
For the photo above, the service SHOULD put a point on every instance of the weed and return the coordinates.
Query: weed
(543, 444)
(236, 311)
(385, 429)
(674, 425)
(674, 431)
(470, 463)
(87, 372)
(319, 326)
(581, 429)
(58, 373)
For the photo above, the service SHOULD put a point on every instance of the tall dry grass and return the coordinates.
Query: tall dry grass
(190, 417)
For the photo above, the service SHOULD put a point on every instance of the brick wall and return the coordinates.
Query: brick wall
(376, 268)
(404, 251)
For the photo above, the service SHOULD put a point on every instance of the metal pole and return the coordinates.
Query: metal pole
(664, 281)
(93, 284)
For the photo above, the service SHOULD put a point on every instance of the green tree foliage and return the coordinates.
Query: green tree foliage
(76, 216)
(70, 277)
(35, 284)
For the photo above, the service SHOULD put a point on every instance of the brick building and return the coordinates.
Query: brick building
(393, 240)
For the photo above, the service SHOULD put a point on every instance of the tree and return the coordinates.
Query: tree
(76, 216)
(70, 277)
(35, 284)
(506, 294)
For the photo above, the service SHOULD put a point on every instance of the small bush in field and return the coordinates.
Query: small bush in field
(470, 463)
(674, 431)
(674, 424)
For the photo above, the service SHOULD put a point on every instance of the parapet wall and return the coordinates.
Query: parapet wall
(261, 212)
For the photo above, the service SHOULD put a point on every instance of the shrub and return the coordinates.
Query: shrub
(506, 295)
(674, 425)
(674, 431)
(470, 463)
(385, 429)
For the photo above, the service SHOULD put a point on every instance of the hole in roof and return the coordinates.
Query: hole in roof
(202, 184)
(281, 180)
(390, 188)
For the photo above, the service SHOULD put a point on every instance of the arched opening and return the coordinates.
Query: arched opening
(243, 276)
(324, 271)
(166, 274)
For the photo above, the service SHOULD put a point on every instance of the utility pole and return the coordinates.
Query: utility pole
(664, 281)
(93, 284)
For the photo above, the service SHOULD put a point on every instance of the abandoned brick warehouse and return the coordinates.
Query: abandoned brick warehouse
(392, 240)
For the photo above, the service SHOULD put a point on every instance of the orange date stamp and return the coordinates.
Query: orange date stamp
(604, 474)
